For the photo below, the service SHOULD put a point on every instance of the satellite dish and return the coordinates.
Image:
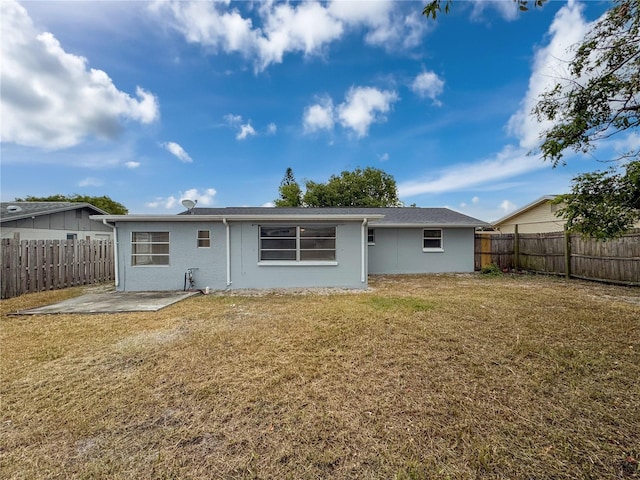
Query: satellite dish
(188, 204)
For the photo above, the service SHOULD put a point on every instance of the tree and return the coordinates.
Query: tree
(370, 187)
(603, 204)
(103, 203)
(600, 99)
(290, 191)
(602, 96)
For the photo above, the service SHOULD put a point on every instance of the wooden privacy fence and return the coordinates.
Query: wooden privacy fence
(561, 253)
(38, 265)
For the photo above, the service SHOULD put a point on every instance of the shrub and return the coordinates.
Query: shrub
(491, 270)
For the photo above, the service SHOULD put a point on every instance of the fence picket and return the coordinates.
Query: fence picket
(37, 265)
(616, 261)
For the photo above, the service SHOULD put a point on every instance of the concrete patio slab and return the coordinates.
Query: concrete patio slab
(112, 302)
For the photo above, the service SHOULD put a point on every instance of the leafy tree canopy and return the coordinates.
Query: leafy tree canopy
(103, 203)
(599, 100)
(603, 204)
(369, 187)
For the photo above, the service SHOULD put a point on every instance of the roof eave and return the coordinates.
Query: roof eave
(246, 218)
(428, 225)
(66, 208)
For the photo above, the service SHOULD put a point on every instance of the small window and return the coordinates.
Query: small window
(371, 236)
(72, 236)
(432, 240)
(204, 238)
(149, 248)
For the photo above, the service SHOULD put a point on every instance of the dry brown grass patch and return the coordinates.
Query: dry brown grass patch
(420, 377)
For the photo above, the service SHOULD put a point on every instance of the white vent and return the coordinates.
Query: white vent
(14, 209)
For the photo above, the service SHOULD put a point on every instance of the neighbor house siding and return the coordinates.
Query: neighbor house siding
(539, 219)
(399, 250)
(56, 226)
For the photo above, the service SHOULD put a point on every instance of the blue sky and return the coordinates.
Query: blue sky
(153, 102)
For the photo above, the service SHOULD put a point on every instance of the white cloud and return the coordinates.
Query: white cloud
(507, 206)
(90, 182)
(268, 204)
(272, 129)
(284, 28)
(508, 10)
(549, 67)
(567, 28)
(364, 106)
(428, 85)
(132, 164)
(168, 202)
(176, 150)
(475, 200)
(204, 197)
(384, 157)
(508, 163)
(385, 25)
(319, 116)
(246, 130)
(305, 27)
(232, 119)
(50, 98)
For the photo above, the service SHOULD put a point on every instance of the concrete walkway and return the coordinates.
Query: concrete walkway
(112, 302)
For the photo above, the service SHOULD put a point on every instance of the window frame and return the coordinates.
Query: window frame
(440, 238)
(202, 240)
(297, 248)
(371, 236)
(135, 254)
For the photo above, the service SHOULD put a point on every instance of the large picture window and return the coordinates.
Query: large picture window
(149, 248)
(298, 243)
(432, 240)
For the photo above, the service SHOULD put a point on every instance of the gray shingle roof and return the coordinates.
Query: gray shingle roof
(400, 216)
(34, 209)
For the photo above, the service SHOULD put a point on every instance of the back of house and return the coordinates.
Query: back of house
(258, 247)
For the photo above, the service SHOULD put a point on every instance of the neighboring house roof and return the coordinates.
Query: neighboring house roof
(526, 208)
(18, 210)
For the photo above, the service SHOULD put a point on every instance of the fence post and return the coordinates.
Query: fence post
(567, 253)
(516, 249)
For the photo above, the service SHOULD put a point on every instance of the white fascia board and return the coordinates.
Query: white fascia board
(231, 218)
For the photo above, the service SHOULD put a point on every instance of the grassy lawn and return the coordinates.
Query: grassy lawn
(421, 377)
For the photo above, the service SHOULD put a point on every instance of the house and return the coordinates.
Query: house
(51, 221)
(538, 216)
(247, 247)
